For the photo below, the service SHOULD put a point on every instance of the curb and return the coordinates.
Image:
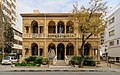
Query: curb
(58, 71)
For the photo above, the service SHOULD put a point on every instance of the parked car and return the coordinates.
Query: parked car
(9, 60)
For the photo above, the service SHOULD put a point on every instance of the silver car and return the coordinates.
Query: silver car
(9, 60)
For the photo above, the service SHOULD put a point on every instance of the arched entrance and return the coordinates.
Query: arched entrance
(60, 51)
(87, 48)
(34, 48)
(51, 51)
(70, 49)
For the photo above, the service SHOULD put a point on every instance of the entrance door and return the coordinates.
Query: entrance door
(60, 51)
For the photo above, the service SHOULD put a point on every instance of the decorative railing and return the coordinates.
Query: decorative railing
(70, 35)
(34, 35)
(61, 35)
(66, 60)
(55, 60)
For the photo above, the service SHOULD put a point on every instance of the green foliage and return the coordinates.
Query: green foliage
(46, 61)
(89, 61)
(39, 60)
(30, 59)
(76, 60)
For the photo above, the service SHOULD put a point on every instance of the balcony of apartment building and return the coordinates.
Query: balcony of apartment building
(60, 30)
(33, 31)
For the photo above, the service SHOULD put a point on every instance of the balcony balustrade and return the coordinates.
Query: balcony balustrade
(61, 35)
(34, 35)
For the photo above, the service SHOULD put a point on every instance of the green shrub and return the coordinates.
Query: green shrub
(30, 59)
(76, 60)
(89, 61)
(39, 60)
(46, 61)
(20, 64)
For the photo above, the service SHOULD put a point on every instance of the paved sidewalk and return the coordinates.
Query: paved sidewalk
(101, 68)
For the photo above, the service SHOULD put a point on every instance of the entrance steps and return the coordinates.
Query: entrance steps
(60, 63)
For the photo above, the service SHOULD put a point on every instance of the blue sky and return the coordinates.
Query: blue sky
(25, 6)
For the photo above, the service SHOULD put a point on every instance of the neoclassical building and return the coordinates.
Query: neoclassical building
(44, 33)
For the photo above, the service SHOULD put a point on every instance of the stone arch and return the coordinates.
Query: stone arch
(34, 48)
(60, 51)
(51, 46)
(87, 48)
(69, 27)
(60, 27)
(69, 49)
(51, 27)
(51, 51)
(34, 25)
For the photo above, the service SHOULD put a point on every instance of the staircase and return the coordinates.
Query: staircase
(60, 63)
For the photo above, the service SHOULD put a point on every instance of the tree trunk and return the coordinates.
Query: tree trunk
(82, 48)
(82, 51)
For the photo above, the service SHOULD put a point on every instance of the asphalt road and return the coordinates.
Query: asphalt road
(59, 73)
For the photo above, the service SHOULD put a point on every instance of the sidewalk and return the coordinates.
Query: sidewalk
(101, 68)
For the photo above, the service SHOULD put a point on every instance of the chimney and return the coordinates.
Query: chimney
(36, 11)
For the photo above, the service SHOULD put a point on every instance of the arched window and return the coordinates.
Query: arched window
(70, 49)
(34, 48)
(87, 48)
(69, 27)
(60, 27)
(51, 27)
(34, 25)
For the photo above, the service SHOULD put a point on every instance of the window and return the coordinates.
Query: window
(117, 42)
(41, 29)
(111, 43)
(111, 33)
(111, 20)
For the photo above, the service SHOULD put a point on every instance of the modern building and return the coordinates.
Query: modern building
(112, 35)
(44, 32)
(17, 47)
(8, 9)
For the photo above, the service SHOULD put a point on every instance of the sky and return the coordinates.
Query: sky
(46, 6)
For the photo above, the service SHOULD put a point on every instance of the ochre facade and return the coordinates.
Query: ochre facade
(44, 32)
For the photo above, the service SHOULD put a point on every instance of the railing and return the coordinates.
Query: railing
(66, 60)
(61, 35)
(70, 35)
(34, 35)
(54, 60)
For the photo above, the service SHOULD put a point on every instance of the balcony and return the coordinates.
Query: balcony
(34, 35)
(61, 35)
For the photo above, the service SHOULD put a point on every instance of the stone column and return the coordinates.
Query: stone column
(38, 29)
(56, 29)
(23, 54)
(65, 52)
(65, 30)
(38, 52)
(98, 55)
(56, 51)
(30, 29)
(30, 52)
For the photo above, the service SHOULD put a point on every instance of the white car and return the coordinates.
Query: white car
(9, 60)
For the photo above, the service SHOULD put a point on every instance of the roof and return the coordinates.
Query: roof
(46, 14)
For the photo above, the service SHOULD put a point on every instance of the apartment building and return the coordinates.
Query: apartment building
(112, 35)
(8, 9)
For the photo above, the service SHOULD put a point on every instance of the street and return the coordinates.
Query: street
(59, 73)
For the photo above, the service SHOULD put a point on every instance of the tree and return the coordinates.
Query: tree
(7, 33)
(90, 21)
(8, 36)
